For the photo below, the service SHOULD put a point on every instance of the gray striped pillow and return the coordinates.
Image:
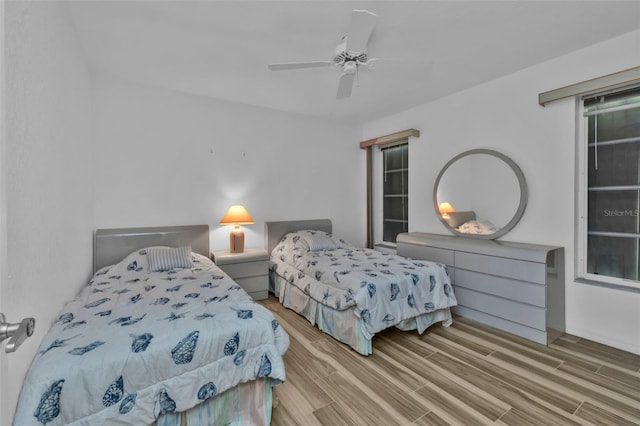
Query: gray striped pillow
(320, 242)
(167, 258)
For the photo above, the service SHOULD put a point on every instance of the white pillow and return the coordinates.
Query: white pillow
(167, 258)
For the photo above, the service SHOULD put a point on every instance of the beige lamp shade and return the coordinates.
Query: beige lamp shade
(236, 215)
(445, 208)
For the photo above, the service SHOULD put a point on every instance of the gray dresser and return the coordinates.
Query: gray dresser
(515, 287)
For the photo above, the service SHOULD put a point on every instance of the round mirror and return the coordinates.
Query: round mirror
(481, 194)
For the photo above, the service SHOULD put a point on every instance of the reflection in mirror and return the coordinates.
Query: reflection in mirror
(480, 193)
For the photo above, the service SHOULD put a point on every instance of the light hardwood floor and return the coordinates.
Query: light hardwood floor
(466, 374)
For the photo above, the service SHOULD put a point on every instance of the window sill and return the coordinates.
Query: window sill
(629, 288)
(385, 247)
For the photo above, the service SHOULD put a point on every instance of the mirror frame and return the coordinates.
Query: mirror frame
(524, 194)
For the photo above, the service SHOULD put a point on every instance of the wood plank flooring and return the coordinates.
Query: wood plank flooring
(466, 374)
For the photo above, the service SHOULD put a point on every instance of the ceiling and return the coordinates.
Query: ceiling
(221, 49)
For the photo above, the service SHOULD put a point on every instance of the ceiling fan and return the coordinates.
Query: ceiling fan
(350, 54)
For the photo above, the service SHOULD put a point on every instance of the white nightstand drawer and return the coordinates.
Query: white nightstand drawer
(259, 295)
(250, 269)
(244, 270)
(253, 284)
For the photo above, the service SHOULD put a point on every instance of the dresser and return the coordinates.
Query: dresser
(250, 269)
(515, 287)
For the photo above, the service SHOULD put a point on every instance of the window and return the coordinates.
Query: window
(609, 203)
(395, 191)
(387, 186)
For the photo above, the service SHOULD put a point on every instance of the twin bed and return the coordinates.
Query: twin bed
(159, 334)
(465, 222)
(353, 293)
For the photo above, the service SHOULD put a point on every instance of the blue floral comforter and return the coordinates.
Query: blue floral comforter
(384, 289)
(134, 345)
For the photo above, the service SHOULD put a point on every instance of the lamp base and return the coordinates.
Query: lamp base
(236, 240)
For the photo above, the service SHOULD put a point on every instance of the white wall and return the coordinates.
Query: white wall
(4, 395)
(47, 175)
(504, 115)
(165, 158)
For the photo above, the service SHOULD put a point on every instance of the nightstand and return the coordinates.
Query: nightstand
(250, 269)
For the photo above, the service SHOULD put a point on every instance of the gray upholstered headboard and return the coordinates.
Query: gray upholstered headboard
(112, 245)
(274, 231)
(458, 218)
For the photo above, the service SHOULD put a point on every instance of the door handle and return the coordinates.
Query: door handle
(17, 332)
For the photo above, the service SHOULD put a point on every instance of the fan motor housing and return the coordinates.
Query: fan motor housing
(343, 57)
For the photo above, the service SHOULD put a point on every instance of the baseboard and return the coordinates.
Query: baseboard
(605, 340)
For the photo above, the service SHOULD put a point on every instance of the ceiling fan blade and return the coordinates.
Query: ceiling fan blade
(360, 29)
(345, 85)
(299, 65)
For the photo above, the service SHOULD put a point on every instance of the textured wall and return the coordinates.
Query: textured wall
(49, 189)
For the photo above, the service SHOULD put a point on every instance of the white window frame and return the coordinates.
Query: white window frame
(581, 202)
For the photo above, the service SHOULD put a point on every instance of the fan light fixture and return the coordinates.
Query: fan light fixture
(236, 215)
(350, 67)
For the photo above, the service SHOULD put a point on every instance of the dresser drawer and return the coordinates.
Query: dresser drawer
(510, 326)
(431, 254)
(521, 313)
(500, 266)
(518, 291)
(247, 269)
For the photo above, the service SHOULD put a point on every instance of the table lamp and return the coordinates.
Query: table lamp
(445, 208)
(236, 215)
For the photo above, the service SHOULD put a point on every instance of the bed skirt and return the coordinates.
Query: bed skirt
(246, 404)
(344, 325)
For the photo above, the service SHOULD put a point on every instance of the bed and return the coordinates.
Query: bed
(353, 293)
(159, 335)
(465, 222)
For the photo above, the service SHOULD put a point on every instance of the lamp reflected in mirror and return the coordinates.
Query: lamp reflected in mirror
(445, 208)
